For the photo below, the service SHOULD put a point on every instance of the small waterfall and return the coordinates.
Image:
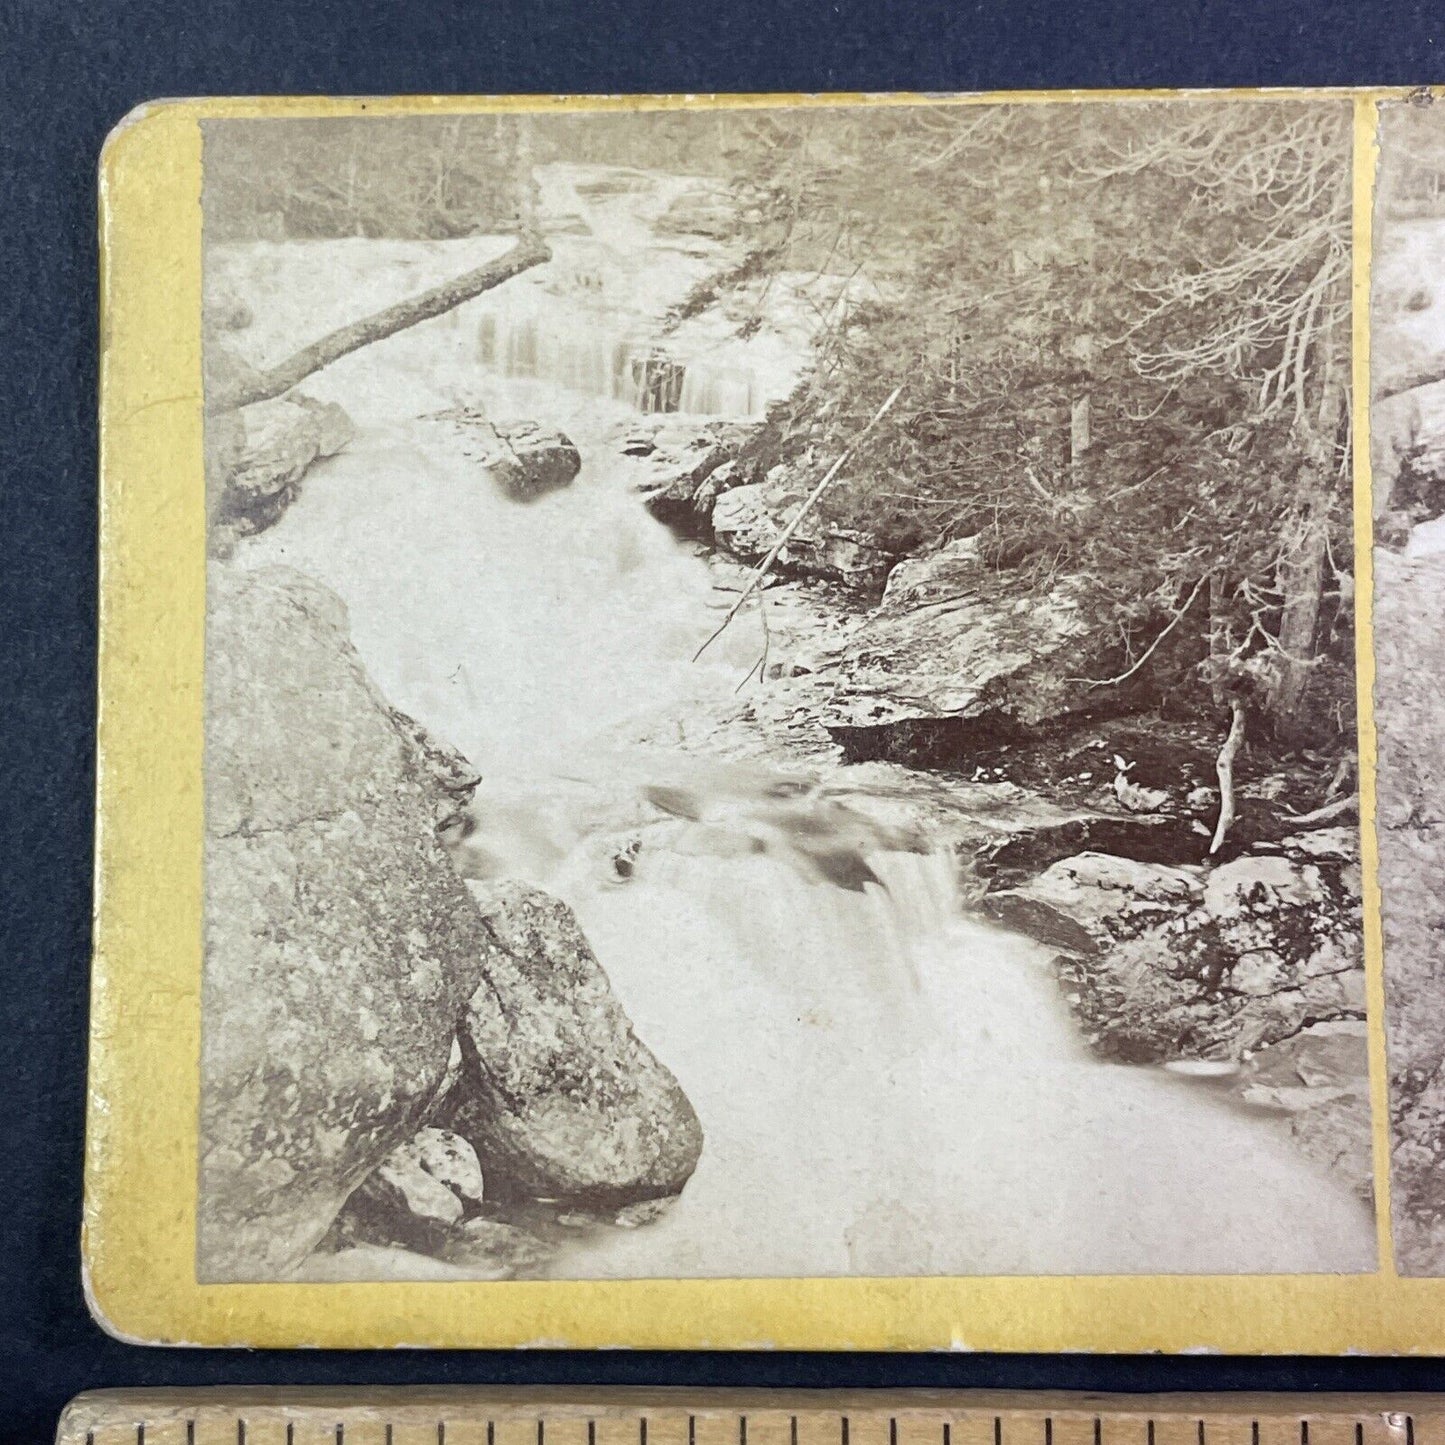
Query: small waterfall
(808, 944)
(588, 360)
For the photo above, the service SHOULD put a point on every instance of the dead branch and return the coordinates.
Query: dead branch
(1224, 766)
(1149, 651)
(760, 667)
(761, 571)
(1336, 809)
(530, 250)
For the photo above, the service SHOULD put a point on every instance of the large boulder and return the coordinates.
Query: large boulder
(1163, 964)
(530, 460)
(340, 943)
(557, 1095)
(956, 657)
(1410, 782)
(750, 520)
(1086, 904)
(257, 457)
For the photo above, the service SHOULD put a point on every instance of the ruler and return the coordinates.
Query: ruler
(461, 1416)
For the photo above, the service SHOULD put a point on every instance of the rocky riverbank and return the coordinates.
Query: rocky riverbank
(935, 689)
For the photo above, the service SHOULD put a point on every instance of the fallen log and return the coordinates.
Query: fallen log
(530, 250)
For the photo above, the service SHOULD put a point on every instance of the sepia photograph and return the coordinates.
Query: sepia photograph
(1407, 415)
(780, 692)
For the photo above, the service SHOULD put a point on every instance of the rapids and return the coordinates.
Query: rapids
(886, 1086)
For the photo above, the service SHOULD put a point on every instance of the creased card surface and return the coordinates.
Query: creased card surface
(754, 720)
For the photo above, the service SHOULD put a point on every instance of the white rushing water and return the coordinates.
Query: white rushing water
(885, 1086)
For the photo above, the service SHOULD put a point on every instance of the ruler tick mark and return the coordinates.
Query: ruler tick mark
(742, 1430)
(692, 1430)
(591, 1432)
(997, 1430)
(845, 1430)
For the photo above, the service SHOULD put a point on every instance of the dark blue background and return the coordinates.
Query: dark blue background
(67, 73)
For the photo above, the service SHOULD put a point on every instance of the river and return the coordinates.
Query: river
(886, 1085)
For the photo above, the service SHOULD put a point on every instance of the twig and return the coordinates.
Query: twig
(1038, 486)
(1149, 651)
(761, 665)
(1324, 814)
(1225, 768)
(761, 571)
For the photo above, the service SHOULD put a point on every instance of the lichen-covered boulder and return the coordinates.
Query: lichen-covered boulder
(557, 1094)
(340, 944)
(1160, 964)
(1088, 903)
(958, 658)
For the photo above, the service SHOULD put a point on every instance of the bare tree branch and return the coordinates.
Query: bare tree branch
(761, 571)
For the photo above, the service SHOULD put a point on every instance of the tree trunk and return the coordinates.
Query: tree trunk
(1301, 580)
(530, 250)
(1300, 570)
